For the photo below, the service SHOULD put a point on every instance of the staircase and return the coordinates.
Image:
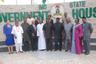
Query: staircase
(3, 47)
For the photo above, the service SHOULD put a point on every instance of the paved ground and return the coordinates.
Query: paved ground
(43, 57)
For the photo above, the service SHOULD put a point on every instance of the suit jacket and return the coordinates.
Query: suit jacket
(25, 34)
(31, 31)
(47, 30)
(58, 29)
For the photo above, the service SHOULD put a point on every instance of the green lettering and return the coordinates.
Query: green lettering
(88, 12)
(11, 16)
(5, 17)
(81, 12)
(75, 13)
(94, 12)
(16, 16)
(0, 18)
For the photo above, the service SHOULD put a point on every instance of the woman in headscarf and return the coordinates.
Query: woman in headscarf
(77, 38)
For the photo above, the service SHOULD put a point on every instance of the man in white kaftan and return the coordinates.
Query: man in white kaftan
(17, 31)
(41, 38)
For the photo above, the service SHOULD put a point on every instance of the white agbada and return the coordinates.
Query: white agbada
(41, 39)
(18, 31)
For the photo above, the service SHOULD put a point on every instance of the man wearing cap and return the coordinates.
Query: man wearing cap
(17, 31)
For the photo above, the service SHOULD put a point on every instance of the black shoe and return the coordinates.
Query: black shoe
(33, 50)
(55, 50)
(60, 49)
(48, 50)
(86, 53)
(42, 50)
(21, 51)
(66, 50)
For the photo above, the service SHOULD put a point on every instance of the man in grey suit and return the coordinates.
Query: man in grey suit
(87, 31)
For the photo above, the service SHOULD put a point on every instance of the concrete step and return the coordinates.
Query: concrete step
(3, 48)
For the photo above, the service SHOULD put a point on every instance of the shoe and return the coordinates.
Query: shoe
(17, 52)
(9, 53)
(48, 50)
(42, 50)
(66, 50)
(55, 50)
(86, 53)
(21, 51)
(60, 50)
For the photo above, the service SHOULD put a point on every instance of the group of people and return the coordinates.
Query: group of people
(46, 35)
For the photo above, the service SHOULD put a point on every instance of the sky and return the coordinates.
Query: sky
(28, 2)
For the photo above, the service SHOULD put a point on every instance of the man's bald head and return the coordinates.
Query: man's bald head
(33, 21)
(68, 20)
(65, 14)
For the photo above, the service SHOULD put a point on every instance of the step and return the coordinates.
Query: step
(3, 48)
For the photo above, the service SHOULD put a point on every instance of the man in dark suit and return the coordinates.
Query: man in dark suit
(26, 39)
(32, 31)
(47, 28)
(58, 29)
